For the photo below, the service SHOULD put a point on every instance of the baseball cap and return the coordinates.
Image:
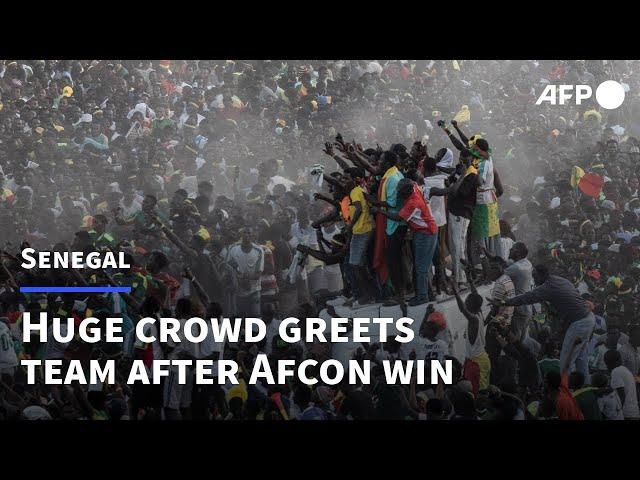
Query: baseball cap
(438, 319)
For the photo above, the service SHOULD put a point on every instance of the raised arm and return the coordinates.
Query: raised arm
(328, 149)
(364, 162)
(128, 298)
(204, 297)
(456, 143)
(329, 200)
(468, 269)
(329, 217)
(174, 238)
(463, 137)
(474, 321)
(78, 276)
(332, 181)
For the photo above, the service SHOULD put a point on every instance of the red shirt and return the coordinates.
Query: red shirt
(417, 214)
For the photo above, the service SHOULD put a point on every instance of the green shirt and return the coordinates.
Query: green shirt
(588, 403)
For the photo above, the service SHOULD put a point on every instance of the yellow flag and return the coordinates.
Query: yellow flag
(576, 174)
(456, 65)
(592, 113)
(204, 234)
(464, 115)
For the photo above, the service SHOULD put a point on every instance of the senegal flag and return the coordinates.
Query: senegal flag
(576, 174)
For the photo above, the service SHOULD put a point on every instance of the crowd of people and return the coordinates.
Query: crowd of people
(273, 189)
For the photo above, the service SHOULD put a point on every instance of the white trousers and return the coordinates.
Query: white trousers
(458, 227)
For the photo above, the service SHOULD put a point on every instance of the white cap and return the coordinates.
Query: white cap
(35, 412)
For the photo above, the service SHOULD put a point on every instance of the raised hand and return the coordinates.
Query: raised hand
(187, 273)
(328, 149)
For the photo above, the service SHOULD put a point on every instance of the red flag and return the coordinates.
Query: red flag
(276, 397)
(380, 242)
(591, 184)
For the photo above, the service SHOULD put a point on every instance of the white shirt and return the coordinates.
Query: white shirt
(621, 377)
(433, 350)
(306, 236)
(486, 193)
(55, 349)
(610, 406)
(436, 204)
(8, 358)
(335, 268)
(477, 348)
(247, 264)
(505, 247)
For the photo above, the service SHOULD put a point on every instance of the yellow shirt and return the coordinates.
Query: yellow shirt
(365, 222)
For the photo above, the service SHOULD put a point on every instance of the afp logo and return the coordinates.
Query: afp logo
(609, 94)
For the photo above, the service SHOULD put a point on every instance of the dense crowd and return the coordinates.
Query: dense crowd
(272, 189)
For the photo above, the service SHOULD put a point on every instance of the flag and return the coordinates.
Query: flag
(591, 184)
(592, 113)
(576, 174)
(316, 171)
(464, 115)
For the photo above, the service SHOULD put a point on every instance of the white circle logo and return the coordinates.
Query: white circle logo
(610, 94)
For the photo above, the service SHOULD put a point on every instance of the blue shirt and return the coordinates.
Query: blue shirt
(391, 188)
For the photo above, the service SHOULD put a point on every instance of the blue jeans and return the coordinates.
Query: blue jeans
(424, 246)
(579, 361)
(358, 248)
(350, 277)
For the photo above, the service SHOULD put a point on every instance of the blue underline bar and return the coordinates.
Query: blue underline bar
(75, 289)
